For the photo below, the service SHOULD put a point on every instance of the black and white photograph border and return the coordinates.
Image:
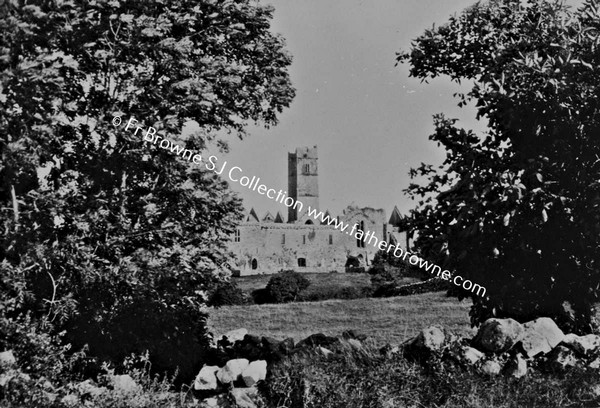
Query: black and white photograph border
(267, 203)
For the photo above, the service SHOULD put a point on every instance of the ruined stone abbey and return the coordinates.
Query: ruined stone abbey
(304, 243)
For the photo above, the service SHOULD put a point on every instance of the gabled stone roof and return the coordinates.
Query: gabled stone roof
(279, 218)
(252, 217)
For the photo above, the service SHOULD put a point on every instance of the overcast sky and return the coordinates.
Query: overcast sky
(370, 121)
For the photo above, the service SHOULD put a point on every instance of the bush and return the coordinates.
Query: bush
(286, 286)
(227, 294)
(378, 268)
(260, 296)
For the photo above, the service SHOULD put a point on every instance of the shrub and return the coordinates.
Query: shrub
(227, 294)
(260, 296)
(286, 286)
(378, 268)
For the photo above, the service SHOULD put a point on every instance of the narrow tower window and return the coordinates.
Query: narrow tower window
(360, 243)
(306, 169)
(236, 236)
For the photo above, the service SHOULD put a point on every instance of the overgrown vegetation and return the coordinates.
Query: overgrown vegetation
(364, 378)
(109, 244)
(285, 287)
(227, 294)
(516, 209)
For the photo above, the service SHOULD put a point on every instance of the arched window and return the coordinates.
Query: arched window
(308, 222)
(302, 262)
(254, 264)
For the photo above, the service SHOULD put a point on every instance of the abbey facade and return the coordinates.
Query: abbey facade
(311, 242)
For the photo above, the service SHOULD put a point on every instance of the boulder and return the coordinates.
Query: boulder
(250, 347)
(50, 396)
(388, 350)
(469, 355)
(562, 358)
(7, 359)
(287, 346)
(355, 344)
(219, 401)
(245, 397)
(272, 349)
(540, 336)
(232, 370)
(498, 335)
(206, 378)
(318, 339)
(124, 384)
(516, 366)
(326, 352)
(70, 400)
(432, 338)
(270, 345)
(255, 372)
(351, 334)
(88, 388)
(584, 345)
(595, 364)
(490, 367)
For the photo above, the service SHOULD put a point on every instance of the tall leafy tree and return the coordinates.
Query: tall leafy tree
(115, 240)
(516, 209)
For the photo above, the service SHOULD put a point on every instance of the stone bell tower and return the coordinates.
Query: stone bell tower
(303, 181)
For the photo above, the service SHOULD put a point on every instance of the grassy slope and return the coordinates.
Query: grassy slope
(389, 320)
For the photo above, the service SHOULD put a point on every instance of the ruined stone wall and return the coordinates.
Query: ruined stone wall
(262, 247)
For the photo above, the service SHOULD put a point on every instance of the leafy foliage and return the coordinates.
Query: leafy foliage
(285, 287)
(516, 209)
(114, 241)
(227, 294)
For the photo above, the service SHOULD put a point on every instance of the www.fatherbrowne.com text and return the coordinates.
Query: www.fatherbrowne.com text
(236, 175)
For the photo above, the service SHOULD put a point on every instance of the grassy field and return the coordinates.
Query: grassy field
(320, 281)
(386, 320)
(250, 283)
